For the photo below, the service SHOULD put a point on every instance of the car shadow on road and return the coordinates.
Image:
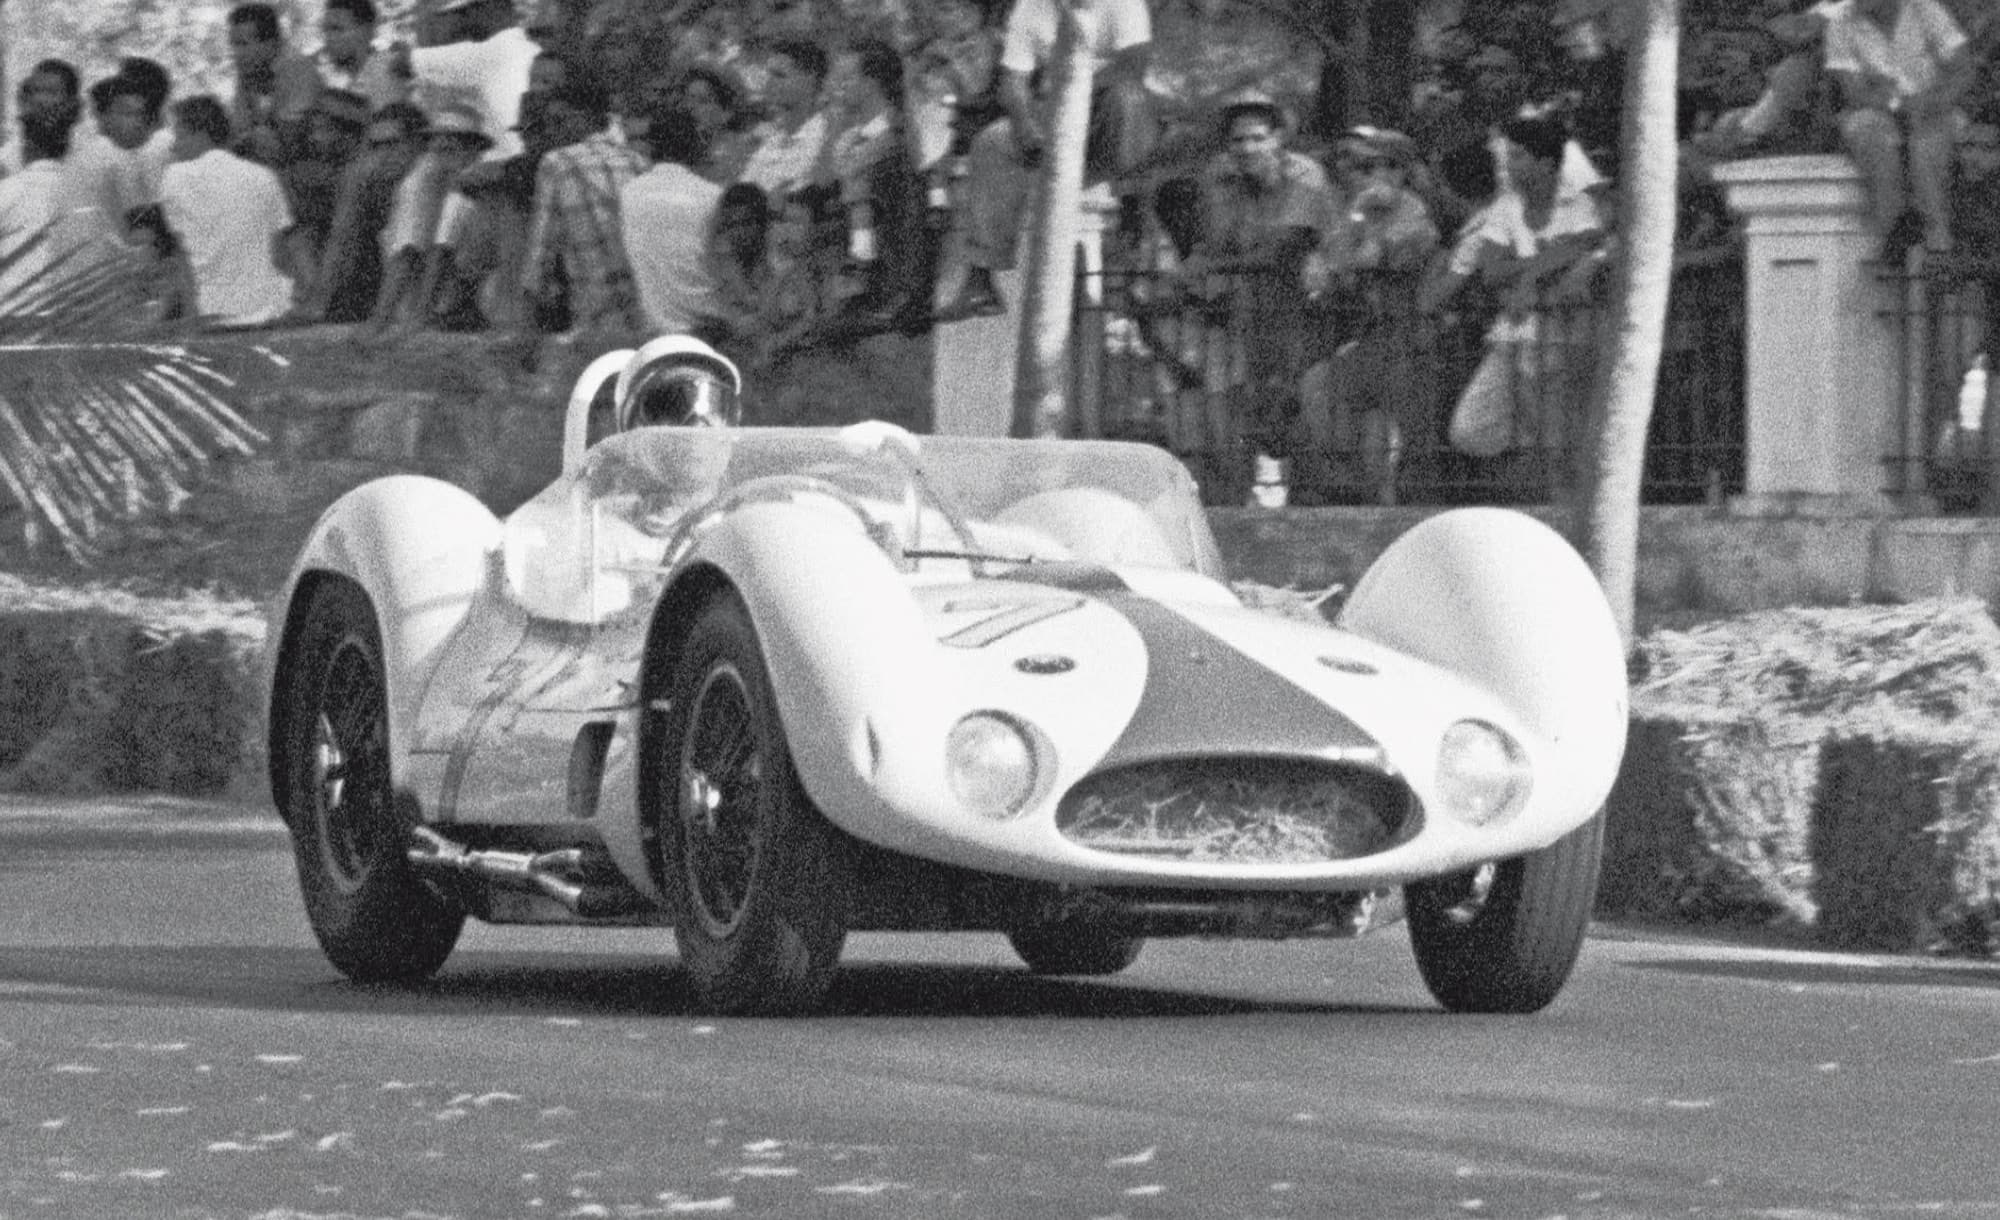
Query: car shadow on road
(581, 985)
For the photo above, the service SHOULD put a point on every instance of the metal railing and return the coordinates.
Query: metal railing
(1373, 402)
(1949, 458)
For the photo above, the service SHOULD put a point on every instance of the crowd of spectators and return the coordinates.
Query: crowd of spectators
(767, 187)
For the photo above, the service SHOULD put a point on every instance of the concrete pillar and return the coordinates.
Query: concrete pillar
(1823, 352)
(972, 379)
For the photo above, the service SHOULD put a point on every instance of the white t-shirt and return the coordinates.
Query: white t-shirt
(40, 198)
(228, 213)
(1115, 25)
(667, 213)
(785, 161)
(1926, 35)
(491, 74)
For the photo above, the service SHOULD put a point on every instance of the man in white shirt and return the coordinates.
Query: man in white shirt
(230, 215)
(791, 148)
(1901, 66)
(483, 60)
(1002, 161)
(666, 214)
(46, 224)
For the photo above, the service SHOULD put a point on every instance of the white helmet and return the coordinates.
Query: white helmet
(678, 380)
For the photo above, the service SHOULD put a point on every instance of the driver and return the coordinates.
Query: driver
(678, 381)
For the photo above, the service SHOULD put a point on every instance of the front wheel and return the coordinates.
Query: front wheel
(374, 918)
(1074, 948)
(1504, 937)
(757, 877)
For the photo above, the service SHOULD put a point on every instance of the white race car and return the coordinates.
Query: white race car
(768, 686)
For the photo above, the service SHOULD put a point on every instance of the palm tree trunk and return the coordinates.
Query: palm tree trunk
(1610, 526)
(1041, 406)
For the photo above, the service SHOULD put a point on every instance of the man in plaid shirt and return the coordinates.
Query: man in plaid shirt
(576, 248)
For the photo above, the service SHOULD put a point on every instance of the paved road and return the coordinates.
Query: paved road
(171, 1045)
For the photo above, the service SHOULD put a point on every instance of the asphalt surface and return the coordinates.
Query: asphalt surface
(172, 1045)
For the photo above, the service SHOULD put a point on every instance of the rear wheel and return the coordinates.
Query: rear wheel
(373, 917)
(1075, 947)
(757, 877)
(1504, 937)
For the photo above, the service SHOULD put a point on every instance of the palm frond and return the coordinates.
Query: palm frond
(100, 421)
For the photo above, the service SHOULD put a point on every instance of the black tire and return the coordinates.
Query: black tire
(374, 918)
(1511, 950)
(1074, 948)
(756, 876)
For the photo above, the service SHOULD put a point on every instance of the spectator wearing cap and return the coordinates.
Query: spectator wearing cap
(1901, 66)
(411, 268)
(666, 216)
(576, 243)
(229, 214)
(334, 131)
(1264, 208)
(1003, 158)
(1364, 404)
(349, 59)
(350, 278)
(275, 87)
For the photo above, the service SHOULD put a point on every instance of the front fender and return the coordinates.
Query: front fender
(419, 548)
(859, 679)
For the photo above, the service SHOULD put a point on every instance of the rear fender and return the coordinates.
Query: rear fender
(419, 548)
(1505, 602)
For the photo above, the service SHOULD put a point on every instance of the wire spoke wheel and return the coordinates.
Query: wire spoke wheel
(374, 918)
(756, 877)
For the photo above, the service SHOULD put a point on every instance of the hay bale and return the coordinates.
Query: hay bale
(1906, 838)
(1707, 821)
(115, 692)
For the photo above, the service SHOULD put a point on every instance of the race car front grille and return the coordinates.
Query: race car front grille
(1238, 811)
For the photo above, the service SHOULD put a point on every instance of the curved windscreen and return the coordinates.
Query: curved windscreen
(1102, 501)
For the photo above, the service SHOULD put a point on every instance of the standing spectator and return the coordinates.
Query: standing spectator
(1538, 256)
(954, 85)
(719, 102)
(106, 164)
(44, 226)
(1366, 405)
(879, 194)
(790, 154)
(334, 131)
(1003, 158)
(350, 276)
(1901, 66)
(576, 243)
(1266, 207)
(275, 87)
(50, 96)
(229, 213)
(667, 214)
(349, 59)
(483, 59)
(740, 256)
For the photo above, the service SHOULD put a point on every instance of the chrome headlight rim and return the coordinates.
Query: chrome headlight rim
(1483, 773)
(994, 763)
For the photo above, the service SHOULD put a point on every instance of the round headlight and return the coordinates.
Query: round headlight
(1482, 773)
(991, 764)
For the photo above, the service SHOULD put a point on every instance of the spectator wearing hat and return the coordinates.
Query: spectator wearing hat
(1265, 207)
(275, 87)
(411, 267)
(576, 243)
(1364, 403)
(334, 131)
(349, 59)
(350, 277)
(1003, 158)
(230, 215)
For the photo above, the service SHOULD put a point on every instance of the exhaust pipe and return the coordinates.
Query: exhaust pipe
(558, 874)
